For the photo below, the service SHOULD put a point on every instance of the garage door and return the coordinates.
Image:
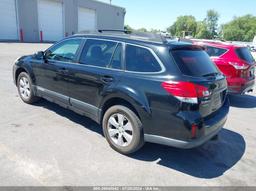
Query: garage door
(8, 20)
(50, 18)
(86, 19)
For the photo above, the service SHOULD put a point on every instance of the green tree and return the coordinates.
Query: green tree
(128, 28)
(142, 30)
(172, 29)
(183, 25)
(240, 29)
(154, 30)
(212, 23)
(202, 31)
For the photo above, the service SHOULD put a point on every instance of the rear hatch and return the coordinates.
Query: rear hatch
(197, 69)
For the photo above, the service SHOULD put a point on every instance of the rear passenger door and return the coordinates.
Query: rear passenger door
(97, 71)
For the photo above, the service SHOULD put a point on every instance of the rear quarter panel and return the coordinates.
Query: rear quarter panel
(154, 103)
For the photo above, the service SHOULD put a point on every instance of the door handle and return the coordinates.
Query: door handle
(107, 79)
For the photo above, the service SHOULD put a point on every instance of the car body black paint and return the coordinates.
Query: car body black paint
(85, 89)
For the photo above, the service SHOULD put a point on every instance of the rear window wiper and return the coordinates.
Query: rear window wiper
(211, 74)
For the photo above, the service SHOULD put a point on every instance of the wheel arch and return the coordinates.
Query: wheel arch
(17, 73)
(125, 101)
(23, 69)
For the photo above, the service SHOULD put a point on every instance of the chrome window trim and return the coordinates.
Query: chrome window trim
(101, 39)
(132, 44)
(155, 56)
(84, 65)
(163, 69)
(64, 40)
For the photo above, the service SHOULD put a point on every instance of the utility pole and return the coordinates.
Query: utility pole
(110, 1)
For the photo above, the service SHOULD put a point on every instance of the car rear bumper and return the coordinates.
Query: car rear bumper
(241, 87)
(186, 144)
(180, 136)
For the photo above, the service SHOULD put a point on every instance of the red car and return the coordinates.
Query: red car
(235, 62)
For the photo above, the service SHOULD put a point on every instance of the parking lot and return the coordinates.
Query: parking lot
(46, 145)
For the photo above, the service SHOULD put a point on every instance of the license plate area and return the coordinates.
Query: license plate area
(216, 100)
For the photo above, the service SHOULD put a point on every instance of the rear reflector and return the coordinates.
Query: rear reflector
(193, 131)
(186, 91)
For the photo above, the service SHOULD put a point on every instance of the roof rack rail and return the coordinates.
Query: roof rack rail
(143, 36)
(114, 30)
(185, 40)
(151, 36)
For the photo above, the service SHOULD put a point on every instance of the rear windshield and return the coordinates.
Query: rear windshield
(245, 54)
(194, 63)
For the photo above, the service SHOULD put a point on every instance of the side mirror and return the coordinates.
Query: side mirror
(40, 55)
(47, 53)
(43, 55)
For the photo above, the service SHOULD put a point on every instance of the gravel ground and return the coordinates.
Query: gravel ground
(46, 145)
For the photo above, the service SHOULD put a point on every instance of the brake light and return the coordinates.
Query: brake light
(239, 66)
(186, 91)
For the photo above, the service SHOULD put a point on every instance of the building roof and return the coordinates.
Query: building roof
(98, 1)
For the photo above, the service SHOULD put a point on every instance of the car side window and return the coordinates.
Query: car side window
(213, 51)
(65, 51)
(140, 59)
(116, 62)
(97, 52)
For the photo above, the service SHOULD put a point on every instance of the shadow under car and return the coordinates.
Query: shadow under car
(242, 101)
(210, 160)
(207, 161)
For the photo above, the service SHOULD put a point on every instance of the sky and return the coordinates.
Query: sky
(160, 14)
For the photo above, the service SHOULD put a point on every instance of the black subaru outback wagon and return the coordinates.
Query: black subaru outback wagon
(139, 88)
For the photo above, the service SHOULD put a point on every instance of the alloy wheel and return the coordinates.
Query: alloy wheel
(120, 129)
(24, 88)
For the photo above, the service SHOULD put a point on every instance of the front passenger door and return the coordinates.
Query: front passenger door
(54, 73)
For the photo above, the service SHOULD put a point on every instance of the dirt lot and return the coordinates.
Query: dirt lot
(44, 144)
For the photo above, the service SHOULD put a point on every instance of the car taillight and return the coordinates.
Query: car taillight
(186, 91)
(244, 74)
(239, 66)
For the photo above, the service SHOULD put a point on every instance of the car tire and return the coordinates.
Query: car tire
(123, 129)
(26, 92)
